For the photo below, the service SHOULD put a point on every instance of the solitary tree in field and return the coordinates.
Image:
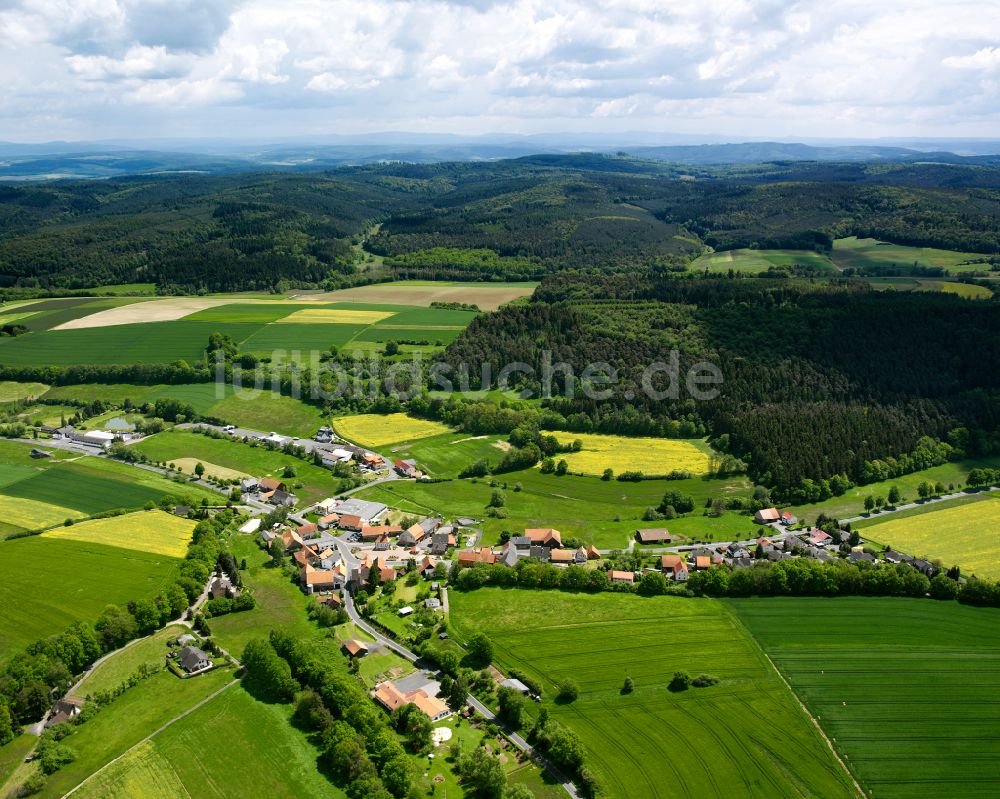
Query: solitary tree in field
(608, 474)
(199, 470)
(629, 686)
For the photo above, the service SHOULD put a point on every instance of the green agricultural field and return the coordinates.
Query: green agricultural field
(604, 513)
(316, 481)
(131, 717)
(46, 584)
(870, 253)
(77, 485)
(114, 671)
(853, 502)
(904, 687)
(299, 337)
(744, 737)
(265, 410)
(46, 314)
(154, 342)
(963, 533)
(232, 746)
(12, 758)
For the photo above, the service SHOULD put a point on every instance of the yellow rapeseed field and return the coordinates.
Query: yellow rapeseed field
(966, 535)
(623, 453)
(32, 514)
(146, 531)
(335, 316)
(377, 430)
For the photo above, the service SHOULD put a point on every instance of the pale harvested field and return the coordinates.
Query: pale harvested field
(488, 296)
(187, 465)
(335, 316)
(168, 310)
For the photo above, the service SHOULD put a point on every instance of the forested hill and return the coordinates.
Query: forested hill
(521, 218)
(818, 381)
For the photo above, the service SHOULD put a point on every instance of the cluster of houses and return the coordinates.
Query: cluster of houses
(269, 489)
(324, 567)
(541, 543)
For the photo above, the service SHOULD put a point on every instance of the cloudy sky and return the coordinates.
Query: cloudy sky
(90, 69)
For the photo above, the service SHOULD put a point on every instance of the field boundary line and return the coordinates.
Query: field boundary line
(152, 735)
(850, 774)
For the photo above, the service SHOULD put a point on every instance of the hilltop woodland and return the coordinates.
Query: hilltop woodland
(824, 386)
(519, 219)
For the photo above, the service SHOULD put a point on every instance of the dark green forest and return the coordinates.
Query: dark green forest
(514, 219)
(820, 381)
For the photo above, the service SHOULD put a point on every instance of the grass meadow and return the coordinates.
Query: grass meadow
(316, 482)
(120, 666)
(756, 261)
(46, 584)
(744, 737)
(155, 531)
(869, 253)
(127, 720)
(905, 688)
(852, 503)
(446, 455)
(232, 746)
(966, 534)
(605, 513)
(265, 411)
(11, 391)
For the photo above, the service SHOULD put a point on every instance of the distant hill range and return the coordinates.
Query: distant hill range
(95, 160)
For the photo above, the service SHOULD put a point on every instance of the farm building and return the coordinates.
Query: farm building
(406, 468)
(788, 518)
(766, 516)
(307, 530)
(673, 566)
(283, 498)
(617, 576)
(328, 521)
(373, 532)
(471, 557)
(442, 540)
(515, 685)
(63, 710)
(351, 521)
(544, 536)
(356, 648)
(655, 535)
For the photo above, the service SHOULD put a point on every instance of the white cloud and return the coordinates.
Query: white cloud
(845, 67)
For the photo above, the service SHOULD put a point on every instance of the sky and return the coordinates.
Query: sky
(114, 69)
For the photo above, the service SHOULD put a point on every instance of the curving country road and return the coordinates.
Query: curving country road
(479, 707)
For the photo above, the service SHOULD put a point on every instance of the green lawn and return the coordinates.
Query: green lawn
(906, 688)
(12, 757)
(317, 482)
(745, 737)
(605, 513)
(116, 669)
(46, 584)
(232, 746)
